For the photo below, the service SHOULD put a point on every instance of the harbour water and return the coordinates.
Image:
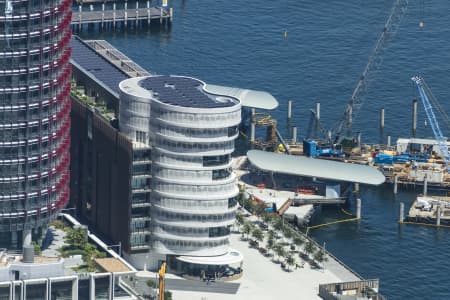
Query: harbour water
(326, 48)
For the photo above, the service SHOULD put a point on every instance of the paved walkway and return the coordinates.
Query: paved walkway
(54, 239)
(265, 280)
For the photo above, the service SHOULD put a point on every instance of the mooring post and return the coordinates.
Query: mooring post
(125, 14)
(252, 132)
(289, 112)
(137, 14)
(402, 212)
(358, 139)
(294, 135)
(356, 187)
(358, 208)
(414, 117)
(103, 14)
(425, 185)
(388, 141)
(161, 15)
(395, 183)
(171, 14)
(317, 111)
(148, 13)
(382, 118)
(114, 14)
(252, 126)
(438, 215)
(80, 10)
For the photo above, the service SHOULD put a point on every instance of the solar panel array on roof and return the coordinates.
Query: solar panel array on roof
(98, 66)
(183, 91)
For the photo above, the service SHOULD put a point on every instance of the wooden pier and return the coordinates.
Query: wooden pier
(124, 17)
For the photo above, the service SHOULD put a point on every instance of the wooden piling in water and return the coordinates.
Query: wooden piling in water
(402, 212)
(358, 208)
(317, 111)
(395, 184)
(294, 135)
(382, 118)
(289, 111)
(438, 215)
(425, 185)
(414, 118)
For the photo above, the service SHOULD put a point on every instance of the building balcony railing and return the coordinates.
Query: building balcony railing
(140, 204)
(140, 218)
(139, 247)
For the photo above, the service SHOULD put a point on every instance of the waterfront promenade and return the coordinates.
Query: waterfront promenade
(264, 279)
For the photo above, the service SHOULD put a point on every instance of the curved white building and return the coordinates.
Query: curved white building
(192, 133)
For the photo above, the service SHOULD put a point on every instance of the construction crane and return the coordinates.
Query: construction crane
(425, 96)
(162, 274)
(344, 126)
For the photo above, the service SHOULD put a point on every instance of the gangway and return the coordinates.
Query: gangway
(425, 96)
(302, 201)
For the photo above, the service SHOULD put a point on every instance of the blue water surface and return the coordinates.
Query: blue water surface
(241, 43)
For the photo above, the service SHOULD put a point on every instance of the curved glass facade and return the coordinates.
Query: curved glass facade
(34, 111)
(193, 198)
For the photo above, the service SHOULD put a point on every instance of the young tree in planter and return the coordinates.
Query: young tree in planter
(270, 244)
(290, 260)
(320, 256)
(266, 217)
(298, 241)
(247, 229)
(239, 220)
(257, 234)
(288, 232)
(279, 251)
(278, 224)
(310, 248)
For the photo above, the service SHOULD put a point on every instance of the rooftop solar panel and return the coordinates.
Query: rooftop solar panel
(182, 91)
(91, 61)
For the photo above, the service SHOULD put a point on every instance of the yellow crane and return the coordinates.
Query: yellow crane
(162, 274)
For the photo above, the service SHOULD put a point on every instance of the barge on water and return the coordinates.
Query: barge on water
(432, 210)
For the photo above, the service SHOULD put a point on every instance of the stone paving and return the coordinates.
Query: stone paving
(54, 240)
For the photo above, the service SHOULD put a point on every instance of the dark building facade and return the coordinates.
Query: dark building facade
(34, 115)
(101, 171)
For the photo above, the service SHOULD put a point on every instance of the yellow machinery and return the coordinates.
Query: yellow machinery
(162, 274)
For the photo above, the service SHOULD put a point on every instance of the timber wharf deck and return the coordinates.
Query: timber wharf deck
(124, 17)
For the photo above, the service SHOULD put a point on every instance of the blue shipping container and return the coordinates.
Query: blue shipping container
(382, 158)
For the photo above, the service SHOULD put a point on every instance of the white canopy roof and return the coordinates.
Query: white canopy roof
(311, 167)
(231, 257)
(249, 98)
